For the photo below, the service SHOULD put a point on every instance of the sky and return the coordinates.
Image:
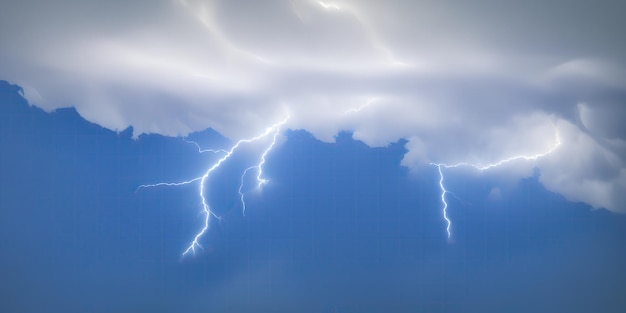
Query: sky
(397, 156)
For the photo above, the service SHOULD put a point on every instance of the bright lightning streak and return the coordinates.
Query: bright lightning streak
(445, 204)
(259, 177)
(501, 162)
(241, 193)
(169, 184)
(205, 206)
(479, 167)
(200, 150)
(260, 180)
(206, 209)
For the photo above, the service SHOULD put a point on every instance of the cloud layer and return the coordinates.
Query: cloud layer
(463, 82)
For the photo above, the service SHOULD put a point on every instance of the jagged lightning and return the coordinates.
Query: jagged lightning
(206, 209)
(443, 200)
(501, 162)
(480, 167)
(170, 184)
(241, 193)
(259, 176)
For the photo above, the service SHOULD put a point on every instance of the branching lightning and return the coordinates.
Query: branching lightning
(259, 167)
(206, 209)
(480, 167)
(274, 132)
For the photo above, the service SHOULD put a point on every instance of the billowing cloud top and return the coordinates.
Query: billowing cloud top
(463, 81)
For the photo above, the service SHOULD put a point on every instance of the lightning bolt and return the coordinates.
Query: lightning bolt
(206, 209)
(169, 184)
(480, 167)
(445, 204)
(259, 167)
(241, 193)
(261, 181)
(501, 162)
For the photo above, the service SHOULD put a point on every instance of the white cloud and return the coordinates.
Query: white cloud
(462, 82)
(585, 170)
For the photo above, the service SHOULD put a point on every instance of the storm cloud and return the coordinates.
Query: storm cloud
(462, 82)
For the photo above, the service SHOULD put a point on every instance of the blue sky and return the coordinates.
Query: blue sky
(340, 227)
(368, 156)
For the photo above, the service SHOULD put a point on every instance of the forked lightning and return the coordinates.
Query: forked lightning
(274, 130)
(480, 167)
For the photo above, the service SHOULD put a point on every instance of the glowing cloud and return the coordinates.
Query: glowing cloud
(462, 82)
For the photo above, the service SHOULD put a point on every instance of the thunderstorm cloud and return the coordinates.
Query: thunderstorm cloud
(462, 81)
